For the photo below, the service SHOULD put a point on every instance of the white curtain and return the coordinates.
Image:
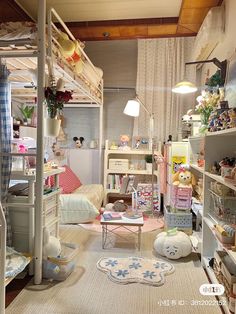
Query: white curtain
(161, 64)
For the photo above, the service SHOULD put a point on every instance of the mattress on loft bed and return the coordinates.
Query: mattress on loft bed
(18, 31)
(82, 205)
(24, 34)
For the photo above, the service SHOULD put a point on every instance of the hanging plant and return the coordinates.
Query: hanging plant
(55, 98)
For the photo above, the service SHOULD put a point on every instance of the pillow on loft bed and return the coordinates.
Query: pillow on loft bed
(94, 76)
(68, 181)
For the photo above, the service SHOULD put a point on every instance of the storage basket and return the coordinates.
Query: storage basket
(181, 197)
(224, 206)
(118, 164)
(59, 268)
(183, 221)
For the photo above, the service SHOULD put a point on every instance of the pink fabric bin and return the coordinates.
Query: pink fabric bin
(181, 197)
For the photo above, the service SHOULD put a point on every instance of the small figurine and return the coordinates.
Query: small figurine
(232, 117)
(124, 140)
(78, 141)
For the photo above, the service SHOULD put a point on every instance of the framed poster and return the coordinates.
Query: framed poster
(177, 161)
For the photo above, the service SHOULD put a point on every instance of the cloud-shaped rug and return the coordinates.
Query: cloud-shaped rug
(135, 269)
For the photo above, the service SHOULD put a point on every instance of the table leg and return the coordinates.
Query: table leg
(139, 238)
(104, 235)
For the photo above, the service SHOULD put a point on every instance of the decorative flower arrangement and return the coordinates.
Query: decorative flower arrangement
(207, 103)
(56, 98)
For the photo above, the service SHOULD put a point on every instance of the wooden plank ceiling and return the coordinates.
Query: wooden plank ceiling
(191, 16)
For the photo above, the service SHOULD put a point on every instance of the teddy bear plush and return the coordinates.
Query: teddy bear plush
(78, 141)
(183, 178)
(232, 117)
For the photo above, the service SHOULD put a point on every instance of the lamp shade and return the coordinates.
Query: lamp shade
(184, 87)
(132, 108)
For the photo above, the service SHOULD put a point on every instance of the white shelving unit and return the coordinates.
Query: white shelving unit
(173, 150)
(135, 157)
(217, 146)
(22, 211)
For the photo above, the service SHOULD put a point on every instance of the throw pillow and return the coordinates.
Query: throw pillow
(68, 181)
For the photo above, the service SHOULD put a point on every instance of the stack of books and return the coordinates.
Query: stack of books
(112, 216)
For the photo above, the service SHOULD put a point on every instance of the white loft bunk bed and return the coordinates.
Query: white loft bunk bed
(27, 56)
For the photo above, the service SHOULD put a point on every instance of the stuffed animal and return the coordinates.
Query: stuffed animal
(173, 244)
(70, 51)
(124, 140)
(78, 141)
(232, 117)
(51, 245)
(184, 178)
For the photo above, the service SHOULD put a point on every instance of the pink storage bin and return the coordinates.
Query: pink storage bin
(182, 203)
(181, 192)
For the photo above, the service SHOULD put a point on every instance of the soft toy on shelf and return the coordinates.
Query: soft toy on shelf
(173, 244)
(124, 141)
(232, 117)
(183, 178)
(51, 245)
(78, 141)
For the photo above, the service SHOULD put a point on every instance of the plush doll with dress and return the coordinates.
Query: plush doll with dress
(183, 178)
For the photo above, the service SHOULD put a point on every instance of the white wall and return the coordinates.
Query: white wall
(227, 47)
(118, 60)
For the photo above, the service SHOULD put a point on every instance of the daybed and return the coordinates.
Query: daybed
(79, 203)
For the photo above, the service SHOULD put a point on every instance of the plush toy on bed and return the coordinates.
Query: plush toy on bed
(51, 245)
(78, 141)
(183, 178)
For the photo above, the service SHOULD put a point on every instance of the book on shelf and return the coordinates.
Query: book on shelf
(112, 216)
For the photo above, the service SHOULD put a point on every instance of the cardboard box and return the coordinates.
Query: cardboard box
(118, 164)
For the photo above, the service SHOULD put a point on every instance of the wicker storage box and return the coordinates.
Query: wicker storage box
(118, 164)
(223, 205)
(183, 221)
(228, 279)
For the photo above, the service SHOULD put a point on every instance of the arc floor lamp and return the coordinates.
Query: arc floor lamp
(132, 109)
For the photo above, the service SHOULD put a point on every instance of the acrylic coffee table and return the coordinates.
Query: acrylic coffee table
(110, 227)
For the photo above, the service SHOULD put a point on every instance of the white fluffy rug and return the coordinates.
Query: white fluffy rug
(135, 269)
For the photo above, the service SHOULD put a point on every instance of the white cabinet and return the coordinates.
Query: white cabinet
(22, 213)
(85, 164)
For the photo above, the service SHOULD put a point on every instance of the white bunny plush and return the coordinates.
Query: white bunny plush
(51, 245)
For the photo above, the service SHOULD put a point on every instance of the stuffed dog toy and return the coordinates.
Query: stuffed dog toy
(184, 178)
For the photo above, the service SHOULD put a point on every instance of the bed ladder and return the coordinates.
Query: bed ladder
(3, 231)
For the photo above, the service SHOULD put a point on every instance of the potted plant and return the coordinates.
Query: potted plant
(27, 113)
(55, 99)
(148, 159)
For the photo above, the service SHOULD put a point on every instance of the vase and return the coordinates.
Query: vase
(149, 167)
(204, 116)
(52, 127)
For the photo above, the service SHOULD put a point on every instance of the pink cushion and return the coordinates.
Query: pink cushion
(68, 181)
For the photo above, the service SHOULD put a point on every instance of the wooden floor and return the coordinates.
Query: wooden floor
(15, 287)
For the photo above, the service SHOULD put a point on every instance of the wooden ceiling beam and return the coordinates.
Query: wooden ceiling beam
(193, 12)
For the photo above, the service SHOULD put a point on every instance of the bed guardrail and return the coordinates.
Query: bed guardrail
(3, 231)
(51, 39)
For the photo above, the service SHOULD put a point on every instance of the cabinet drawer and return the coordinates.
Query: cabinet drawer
(49, 215)
(50, 202)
